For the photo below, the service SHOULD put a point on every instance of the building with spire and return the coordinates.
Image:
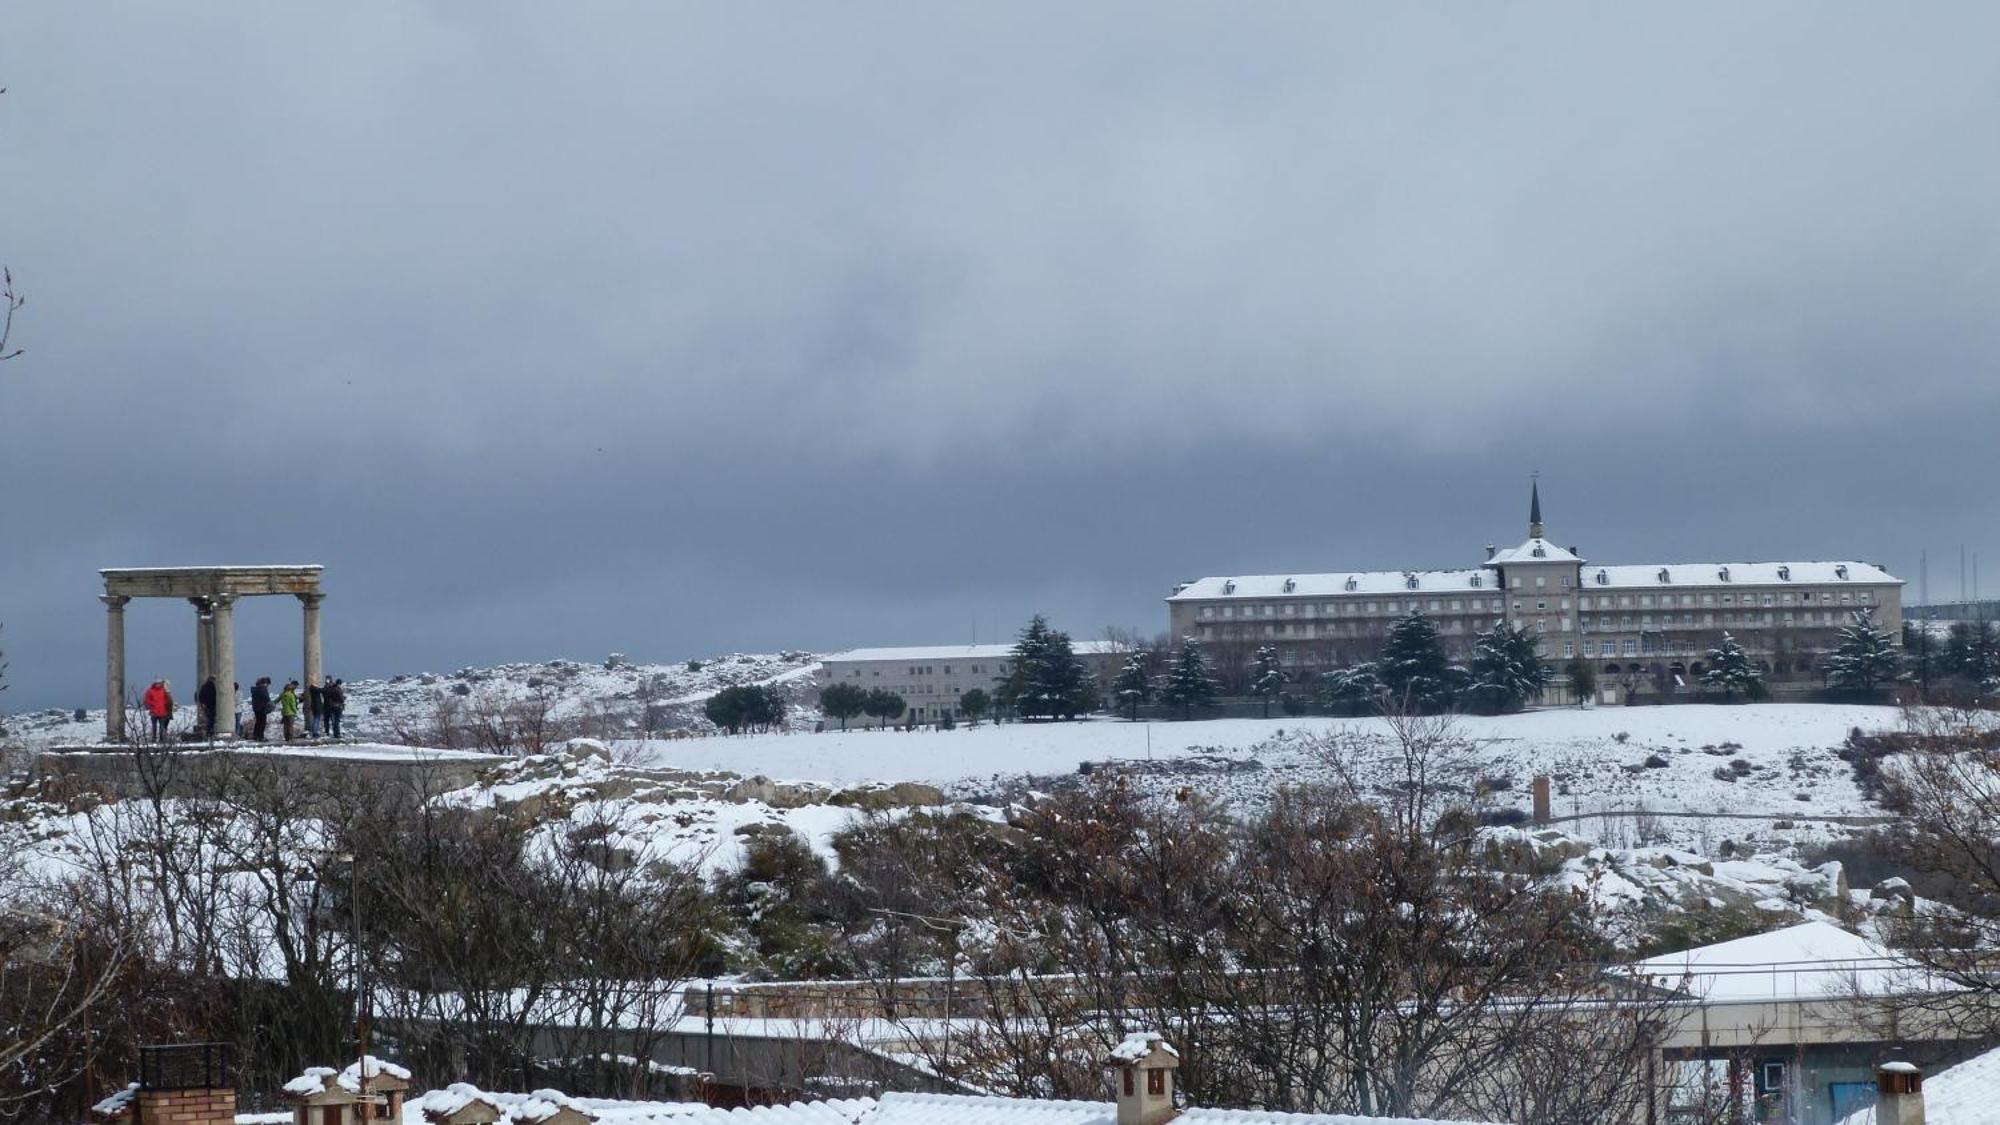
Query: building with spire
(1647, 628)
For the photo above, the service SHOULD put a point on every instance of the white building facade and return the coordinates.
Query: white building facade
(1646, 628)
(932, 678)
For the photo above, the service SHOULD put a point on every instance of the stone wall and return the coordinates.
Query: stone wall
(178, 772)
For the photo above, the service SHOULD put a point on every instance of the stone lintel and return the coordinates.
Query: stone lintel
(211, 581)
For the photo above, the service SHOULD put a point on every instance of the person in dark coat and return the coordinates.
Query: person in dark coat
(204, 699)
(315, 710)
(334, 697)
(260, 706)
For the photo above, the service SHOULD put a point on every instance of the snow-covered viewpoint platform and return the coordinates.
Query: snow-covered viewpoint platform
(213, 591)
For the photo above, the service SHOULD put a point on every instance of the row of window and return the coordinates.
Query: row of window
(928, 670)
(1805, 597)
(1397, 607)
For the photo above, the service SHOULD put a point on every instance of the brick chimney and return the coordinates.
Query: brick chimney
(1142, 1072)
(181, 1084)
(1899, 1094)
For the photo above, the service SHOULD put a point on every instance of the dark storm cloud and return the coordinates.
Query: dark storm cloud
(553, 331)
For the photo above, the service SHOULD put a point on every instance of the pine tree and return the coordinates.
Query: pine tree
(1189, 683)
(1922, 661)
(1582, 679)
(1729, 668)
(974, 703)
(1267, 677)
(843, 701)
(1507, 670)
(883, 704)
(1352, 688)
(1045, 678)
(1864, 657)
(1972, 652)
(1134, 684)
(1413, 668)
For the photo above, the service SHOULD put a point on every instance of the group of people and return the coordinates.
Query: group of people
(321, 705)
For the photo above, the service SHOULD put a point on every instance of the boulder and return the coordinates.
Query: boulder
(900, 795)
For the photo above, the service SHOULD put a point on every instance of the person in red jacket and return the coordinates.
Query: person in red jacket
(159, 701)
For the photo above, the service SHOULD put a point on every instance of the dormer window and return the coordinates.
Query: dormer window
(1784, 574)
(1665, 577)
(1840, 571)
(1475, 581)
(1410, 580)
(1229, 587)
(1722, 574)
(1603, 579)
(1539, 551)
(1352, 584)
(1291, 584)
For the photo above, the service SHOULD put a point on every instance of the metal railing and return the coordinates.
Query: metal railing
(188, 1066)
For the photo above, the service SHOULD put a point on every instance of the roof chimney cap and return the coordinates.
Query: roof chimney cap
(1899, 1094)
(1142, 1067)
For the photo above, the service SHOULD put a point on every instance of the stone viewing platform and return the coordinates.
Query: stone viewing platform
(129, 771)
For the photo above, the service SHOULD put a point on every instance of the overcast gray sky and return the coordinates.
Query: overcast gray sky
(676, 329)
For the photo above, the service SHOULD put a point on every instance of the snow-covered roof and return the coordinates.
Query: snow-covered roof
(1359, 582)
(890, 1109)
(1139, 1044)
(961, 652)
(451, 1099)
(1808, 961)
(1966, 1094)
(1741, 574)
(1327, 585)
(1536, 550)
(527, 1109)
(961, 1109)
(350, 1074)
(314, 1080)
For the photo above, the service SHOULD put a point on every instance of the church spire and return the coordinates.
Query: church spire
(1534, 508)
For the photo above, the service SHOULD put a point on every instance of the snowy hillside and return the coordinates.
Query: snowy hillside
(1678, 775)
(611, 697)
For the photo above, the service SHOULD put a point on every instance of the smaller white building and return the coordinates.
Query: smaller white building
(932, 678)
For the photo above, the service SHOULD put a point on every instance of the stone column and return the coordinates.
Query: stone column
(222, 634)
(312, 653)
(114, 667)
(204, 646)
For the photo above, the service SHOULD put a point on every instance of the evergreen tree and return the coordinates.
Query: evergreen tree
(745, 706)
(1353, 688)
(843, 701)
(1189, 683)
(1972, 653)
(1864, 657)
(1413, 668)
(974, 703)
(1267, 677)
(1134, 685)
(1507, 670)
(883, 704)
(1045, 678)
(1729, 668)
(1582, 679)
(1921, 659)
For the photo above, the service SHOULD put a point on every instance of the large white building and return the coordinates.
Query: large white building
(932, 678)
(1646, 627)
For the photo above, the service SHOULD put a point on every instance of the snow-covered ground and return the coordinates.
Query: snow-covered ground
(1662, 809)
(1583, 748)
(1763, 776)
